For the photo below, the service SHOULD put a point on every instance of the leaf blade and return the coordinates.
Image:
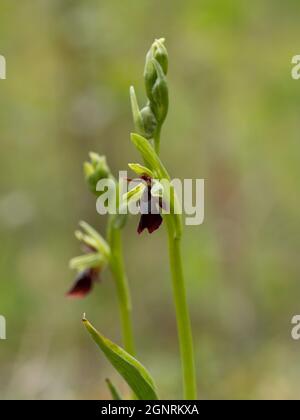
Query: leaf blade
(113, 390)
(128, 367)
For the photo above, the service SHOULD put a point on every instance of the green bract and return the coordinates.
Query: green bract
(144, 120)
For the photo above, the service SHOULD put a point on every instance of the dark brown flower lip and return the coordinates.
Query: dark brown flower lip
(148, 220)
(84, 283)
(151, 222)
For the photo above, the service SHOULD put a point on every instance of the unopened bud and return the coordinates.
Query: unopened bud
(95, 170)
(160, 94)
(157, 52)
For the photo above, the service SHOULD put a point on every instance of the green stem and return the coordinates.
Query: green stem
(182, 313)
(157, 140)
(118, 269)
(185, 337)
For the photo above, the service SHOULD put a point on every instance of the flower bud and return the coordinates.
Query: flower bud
(95, 170)
(149, 121)
(157, 52)
(160, 94)
(160, 54)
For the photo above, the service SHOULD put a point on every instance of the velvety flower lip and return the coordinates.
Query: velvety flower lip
(149, 221)
(150, 202)
(150, 217)
(84, 283)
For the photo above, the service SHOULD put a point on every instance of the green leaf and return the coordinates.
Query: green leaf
(128, 367)
(113, 390)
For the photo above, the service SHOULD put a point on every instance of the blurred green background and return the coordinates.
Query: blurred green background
(233, 120)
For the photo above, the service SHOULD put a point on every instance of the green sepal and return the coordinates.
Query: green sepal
(140, 170)
(92, 260)
(102, 245)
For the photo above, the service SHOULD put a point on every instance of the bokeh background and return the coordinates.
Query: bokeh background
(233, 120)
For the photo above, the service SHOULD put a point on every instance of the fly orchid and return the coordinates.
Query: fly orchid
(151, 199)
(146, 195)
(90, 264)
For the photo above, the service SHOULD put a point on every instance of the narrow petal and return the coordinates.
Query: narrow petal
(83, 284)
(135, 193)
(149, 221)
